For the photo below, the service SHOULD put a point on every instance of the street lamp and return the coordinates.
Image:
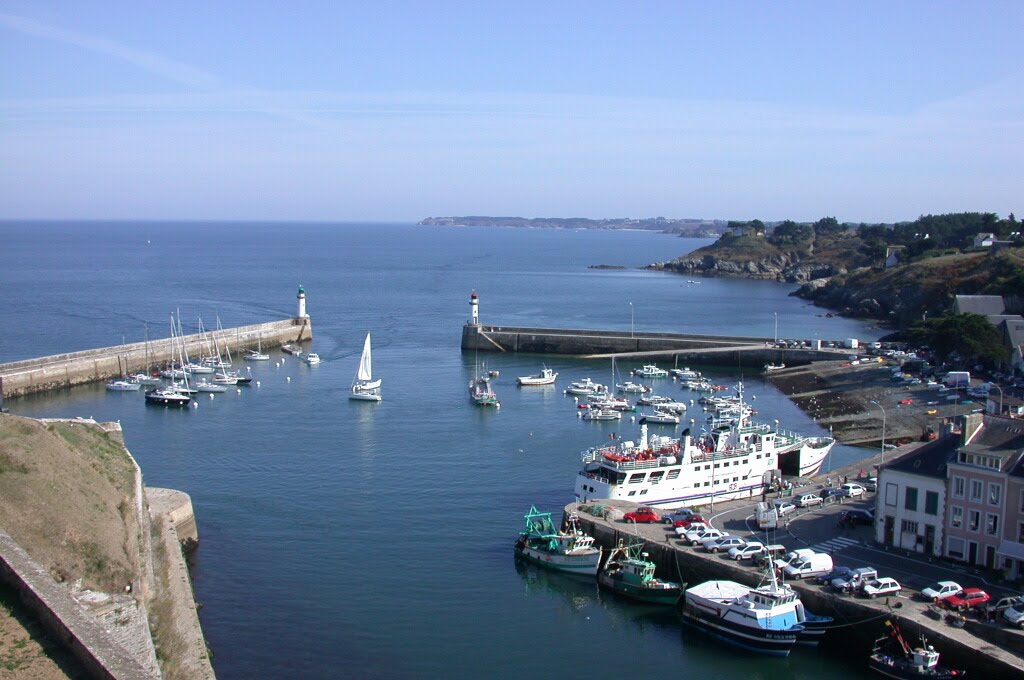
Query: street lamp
(883, 429)
(630, 319)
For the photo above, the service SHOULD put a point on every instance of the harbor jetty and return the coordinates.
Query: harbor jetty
(700, 349)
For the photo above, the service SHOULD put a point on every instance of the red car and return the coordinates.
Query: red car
(967, 599)
(688, 521)
(642, 515)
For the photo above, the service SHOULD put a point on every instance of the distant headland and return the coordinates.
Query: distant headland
(690, 227)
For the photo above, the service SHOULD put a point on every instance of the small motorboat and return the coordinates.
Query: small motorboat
(123, 386)
(650, 371)
(768, 368)
(312, 358)
(630, 387)
(660, 417)
(143, 379)
(585, 387)
(595, 413)
(205, 386)
(545, 377)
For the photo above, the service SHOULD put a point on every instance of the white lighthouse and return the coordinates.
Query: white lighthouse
(302, 304)
(474, 309)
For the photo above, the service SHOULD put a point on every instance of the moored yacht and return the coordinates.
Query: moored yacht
(545, 377)
(585, 387)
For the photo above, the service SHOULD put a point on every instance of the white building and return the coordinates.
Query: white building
(910, 504)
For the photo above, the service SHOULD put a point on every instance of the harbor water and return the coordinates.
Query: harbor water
(374, 540)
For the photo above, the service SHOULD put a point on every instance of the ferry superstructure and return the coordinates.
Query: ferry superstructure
(734, 460)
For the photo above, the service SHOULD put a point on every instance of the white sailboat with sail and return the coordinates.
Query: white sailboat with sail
(364, 387)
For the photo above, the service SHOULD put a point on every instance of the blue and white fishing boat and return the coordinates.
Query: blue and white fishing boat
(568, 550)
(767, 619)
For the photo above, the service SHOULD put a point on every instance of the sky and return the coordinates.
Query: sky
(310, 110)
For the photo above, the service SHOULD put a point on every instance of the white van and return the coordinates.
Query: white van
(793, 556)
(767, 516)
(815, 565)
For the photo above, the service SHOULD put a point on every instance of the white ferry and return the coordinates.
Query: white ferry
(733, 460)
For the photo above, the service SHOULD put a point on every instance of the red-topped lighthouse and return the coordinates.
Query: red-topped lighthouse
(474, 309)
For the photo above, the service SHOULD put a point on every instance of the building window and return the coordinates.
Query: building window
(960, 484)
(955, 547)
(995, 493)
(956, 517)
(977, 488)
(910, 500)
(931, 502)
(973, 520)
(991, 524)
(892, 492)
(908, 527)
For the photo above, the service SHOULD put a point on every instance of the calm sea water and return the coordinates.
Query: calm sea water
(349, 539)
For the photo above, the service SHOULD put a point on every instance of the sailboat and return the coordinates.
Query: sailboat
(257, 354)
(147, 378)
(364, 387)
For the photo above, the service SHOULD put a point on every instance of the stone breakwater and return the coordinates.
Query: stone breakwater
(29, 376)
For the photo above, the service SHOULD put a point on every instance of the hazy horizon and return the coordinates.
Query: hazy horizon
(336, 112)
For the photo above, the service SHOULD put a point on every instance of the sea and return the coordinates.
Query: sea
(361, 540)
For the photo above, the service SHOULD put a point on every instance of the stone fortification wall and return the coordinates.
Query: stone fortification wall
(76, 368)
(102, 658)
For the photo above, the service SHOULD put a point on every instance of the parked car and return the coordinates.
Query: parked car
(871, 483)
(852, 490)
(793, 556)
(857, 516)
(831, 492)
(746, 552)
(968, 598)
(806, 500)
(1014, 615)
(993, 608)
(724, 543)
(855, 580)
(783, 507)
(816, 564)
(681, 513)
(694, 526)
(642, 515)
(771, 553)
(941, 590)
(690, 521)
(881, 586)
(837, 572)
(697, 536)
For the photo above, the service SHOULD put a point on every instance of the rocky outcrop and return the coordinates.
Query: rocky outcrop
(787, 267)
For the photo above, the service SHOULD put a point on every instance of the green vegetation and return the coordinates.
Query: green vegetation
(969, 337)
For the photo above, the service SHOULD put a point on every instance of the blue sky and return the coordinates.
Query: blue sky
(380, 111)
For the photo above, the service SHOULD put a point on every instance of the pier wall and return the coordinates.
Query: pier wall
(960, 649)
(711, 350)
(76, 368)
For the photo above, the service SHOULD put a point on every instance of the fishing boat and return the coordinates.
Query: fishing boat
(766, 619)
(630, 573)
(731, 461)
(291, 348)
(567, 550)
(585, 387)
(311, 358)
(481, 392)
(545, 377)
(364, 387)
(894, 658)
(650, 371)
(123, 386)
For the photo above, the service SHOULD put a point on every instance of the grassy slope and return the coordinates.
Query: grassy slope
(67, 493)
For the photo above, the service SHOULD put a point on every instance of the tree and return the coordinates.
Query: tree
(969, 335)
(828, 225)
